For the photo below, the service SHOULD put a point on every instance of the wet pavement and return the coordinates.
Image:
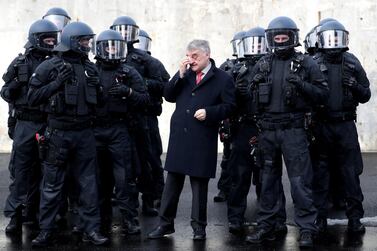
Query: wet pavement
(218, 237)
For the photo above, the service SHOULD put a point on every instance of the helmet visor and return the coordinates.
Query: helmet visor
(128, 32)
(332, 39)
(144, 44)
(310, 40)
(234, 47)
(58, 20)
(239, 48)
(254, 45)
(281, 38)
(111, 49)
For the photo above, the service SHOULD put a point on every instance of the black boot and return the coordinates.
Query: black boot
(130, 226)
(161, 231)
(95, 238)
(148, 207)
(235, 227)
(44, 239)
(306, 240)
(199, 233)
(321, 224)
(260, 236)
(15, 224)
(220, 197)
(355, 226)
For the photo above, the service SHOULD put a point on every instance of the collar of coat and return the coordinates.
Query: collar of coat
(191, 75)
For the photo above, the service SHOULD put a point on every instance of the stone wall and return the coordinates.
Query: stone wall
(172, 24)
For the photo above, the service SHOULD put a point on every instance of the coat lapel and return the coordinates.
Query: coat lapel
(207, 77)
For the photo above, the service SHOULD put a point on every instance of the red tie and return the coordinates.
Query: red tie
(199, 76)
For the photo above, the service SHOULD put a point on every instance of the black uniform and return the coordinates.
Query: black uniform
(285, 89)
(336, 133)
(69, 139)
(225, 132)
(242, 162)
(112, 137)
(138, 126)
(155, 89)
(24, 164)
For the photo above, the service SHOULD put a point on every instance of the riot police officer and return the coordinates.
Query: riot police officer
(242, 164)
(336, 132)
(285, 85)
(153, 110)
(154, 79)
(123, 90)
(67, 86)
(231, 66)
(24, 166)
(58, 16)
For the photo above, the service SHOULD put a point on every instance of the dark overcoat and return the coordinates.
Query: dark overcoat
(192, 146)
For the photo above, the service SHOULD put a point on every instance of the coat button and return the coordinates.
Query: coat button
(185, 129)
(187, 111)
(193, 94)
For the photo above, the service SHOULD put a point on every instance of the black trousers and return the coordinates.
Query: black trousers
(292, 143)
(241, 166)
(24, 168)
(225, 182)
(338, 141)
(114, 161)
(170, 198)
(77, 150)
(155, 160)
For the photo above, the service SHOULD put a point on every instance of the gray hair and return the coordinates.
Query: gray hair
(199, 44)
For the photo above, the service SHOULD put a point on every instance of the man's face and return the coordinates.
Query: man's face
(198, 59)
(112, 50)
(281, 38)
(49, 41)
(85, 42)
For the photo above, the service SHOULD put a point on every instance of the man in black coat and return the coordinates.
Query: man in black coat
(204, 95)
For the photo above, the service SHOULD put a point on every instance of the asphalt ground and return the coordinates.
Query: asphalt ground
(218, 237)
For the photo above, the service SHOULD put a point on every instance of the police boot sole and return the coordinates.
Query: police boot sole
(268, 238)
(160, 236)
(96, 243)
(306, 245)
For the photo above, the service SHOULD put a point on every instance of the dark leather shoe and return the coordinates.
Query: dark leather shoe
(199, 233)
(220, 197)
(131, 226)
(95, 238)
(44, 239)
(149, 210)
(14, 226)
(235, 227)
(306, 240)
(160, 232)
(355, 226)
(321, 224)
(260, 236)
(280, 229)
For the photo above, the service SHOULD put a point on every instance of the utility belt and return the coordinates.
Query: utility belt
(247, 119)
(282, 121)
(35, 116)
(70, 126)
(107, 122)
(337, 116)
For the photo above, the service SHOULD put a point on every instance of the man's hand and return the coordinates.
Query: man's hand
(295, 79)
(351, 82)
(120, 91)
(258, 78)
(65, 72)
(183, 67)
(200, 114)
